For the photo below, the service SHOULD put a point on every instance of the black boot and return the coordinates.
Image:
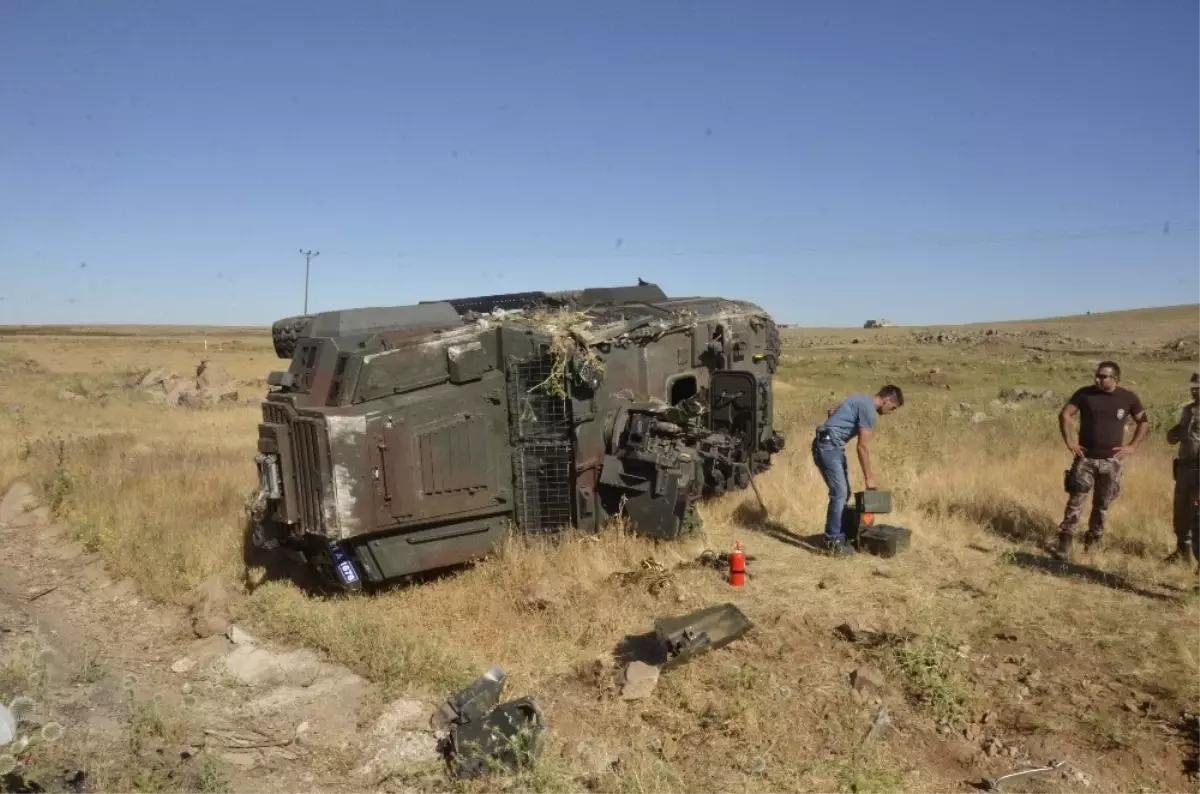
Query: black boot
(1090, 541)
(1063, 552)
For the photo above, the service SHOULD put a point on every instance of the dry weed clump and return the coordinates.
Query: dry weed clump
(567, 349)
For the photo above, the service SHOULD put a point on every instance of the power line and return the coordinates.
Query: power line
(308, 255)
(1158, 228)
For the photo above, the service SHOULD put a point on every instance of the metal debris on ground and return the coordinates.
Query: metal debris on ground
(485, 737)
(994, 783)
(880, 727)
(720, 561)
(697, 632)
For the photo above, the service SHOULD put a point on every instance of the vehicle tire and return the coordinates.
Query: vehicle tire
(287, 332)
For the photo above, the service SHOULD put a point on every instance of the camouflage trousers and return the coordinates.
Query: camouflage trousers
(1102, 478)
(1187, 516)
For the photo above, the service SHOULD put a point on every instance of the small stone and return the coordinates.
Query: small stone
(239, 637)
(988, 716)
(639, 682)
(1131, 705)
(867, 678)
(183, 665)
(964, 649)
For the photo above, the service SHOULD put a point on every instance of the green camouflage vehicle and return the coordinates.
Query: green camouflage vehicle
(410, 438)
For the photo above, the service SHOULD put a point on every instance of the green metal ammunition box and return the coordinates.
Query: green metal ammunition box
(884, 540)
(873, 501)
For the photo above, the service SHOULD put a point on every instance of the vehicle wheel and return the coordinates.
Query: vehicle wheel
(287, 332)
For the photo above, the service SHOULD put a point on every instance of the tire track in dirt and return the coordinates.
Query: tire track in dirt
(136, 685)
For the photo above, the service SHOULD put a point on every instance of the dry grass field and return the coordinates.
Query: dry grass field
(993, 656)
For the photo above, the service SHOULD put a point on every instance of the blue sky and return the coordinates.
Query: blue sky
(833, 161)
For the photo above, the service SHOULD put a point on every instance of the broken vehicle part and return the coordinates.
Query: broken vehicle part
(705, 630)
(417, 437)
(881, 726)
(994, 783)
(484, 737)
(477, 699)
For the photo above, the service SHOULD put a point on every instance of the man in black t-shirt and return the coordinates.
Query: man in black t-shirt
(1103, 409)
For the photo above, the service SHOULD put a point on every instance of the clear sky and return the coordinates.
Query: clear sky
(924, 161)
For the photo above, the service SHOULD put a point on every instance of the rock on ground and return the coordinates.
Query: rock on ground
(210, 386)
(209, 604)
(638, 681)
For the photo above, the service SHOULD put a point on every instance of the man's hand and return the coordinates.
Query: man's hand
(1075, 449)
(1120, 453)
(871, 484)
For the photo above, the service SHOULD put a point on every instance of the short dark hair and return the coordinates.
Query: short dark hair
(893, 392)
(1111, 365)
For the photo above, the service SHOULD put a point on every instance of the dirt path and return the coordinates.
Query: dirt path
(162, 698)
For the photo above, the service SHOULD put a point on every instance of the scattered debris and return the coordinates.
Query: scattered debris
(870, 636)
(880, 727)
(720, 561)
(484, 735)
(697, 632)
(994, 783)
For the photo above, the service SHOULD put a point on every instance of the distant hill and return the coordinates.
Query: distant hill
(1176, 327)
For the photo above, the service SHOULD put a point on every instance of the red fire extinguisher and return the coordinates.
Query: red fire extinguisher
(737, 565)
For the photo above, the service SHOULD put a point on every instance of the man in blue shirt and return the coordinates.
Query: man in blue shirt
(856, 416)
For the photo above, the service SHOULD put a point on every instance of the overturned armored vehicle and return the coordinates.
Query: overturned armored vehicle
(409, 438)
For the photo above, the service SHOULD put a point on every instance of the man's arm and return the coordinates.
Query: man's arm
(1066, 418)
(1140, 431)
(864, 456)
(1175, 434)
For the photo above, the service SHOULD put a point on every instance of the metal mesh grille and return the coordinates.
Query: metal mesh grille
(543, 472)
(543, 454)
(307, 453)
(536, 412)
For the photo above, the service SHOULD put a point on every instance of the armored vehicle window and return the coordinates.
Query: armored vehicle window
(682, 388)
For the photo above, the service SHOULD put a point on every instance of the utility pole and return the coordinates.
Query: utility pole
(308, 255)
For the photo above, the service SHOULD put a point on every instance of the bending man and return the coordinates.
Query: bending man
(856, 416)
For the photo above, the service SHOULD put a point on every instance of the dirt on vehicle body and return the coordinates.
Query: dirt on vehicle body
(406, 439)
